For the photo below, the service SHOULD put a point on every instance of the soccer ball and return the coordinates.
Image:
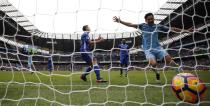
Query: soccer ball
(188, 88)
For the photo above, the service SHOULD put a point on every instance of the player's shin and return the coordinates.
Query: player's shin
(97, 71)
(175, 65)
(121, 69)
(87, 70)
(126, 70)
(157, 73)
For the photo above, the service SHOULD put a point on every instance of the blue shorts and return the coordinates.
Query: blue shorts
(157, 53)
(124, 60)
(87, 57)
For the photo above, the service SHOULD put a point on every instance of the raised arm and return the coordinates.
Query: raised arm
(100, 39)
(117, 19)
(181, 30)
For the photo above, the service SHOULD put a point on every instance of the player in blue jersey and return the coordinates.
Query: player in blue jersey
(50, 64)
(150, 43)
(124, 57)
(88, 57)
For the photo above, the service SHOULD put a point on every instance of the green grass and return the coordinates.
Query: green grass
(66, 88)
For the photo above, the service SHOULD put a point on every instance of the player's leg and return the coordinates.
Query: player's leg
(126, 69)
(50, 65)
(152, 63)
(122, 62)
(30, 63)
(88, 59)
(172, 63)
(96, 69)
(50, 68)
(121, 69)
(126, 66)
(167, 58)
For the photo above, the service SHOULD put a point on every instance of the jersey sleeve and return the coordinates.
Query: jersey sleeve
(128, 48)
(140, 26)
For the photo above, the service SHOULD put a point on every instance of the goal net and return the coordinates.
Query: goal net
(41, 62)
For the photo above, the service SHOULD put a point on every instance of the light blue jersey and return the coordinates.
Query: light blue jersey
(150, 35)
(150, 42)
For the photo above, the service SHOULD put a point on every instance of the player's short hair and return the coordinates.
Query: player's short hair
(123, 41)
(84, 28)
(147, 15)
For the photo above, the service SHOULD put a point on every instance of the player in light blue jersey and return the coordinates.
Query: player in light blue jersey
(88, 57)
(124, 57)
(150, 43)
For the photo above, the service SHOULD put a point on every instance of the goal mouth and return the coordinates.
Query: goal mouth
(46, 58)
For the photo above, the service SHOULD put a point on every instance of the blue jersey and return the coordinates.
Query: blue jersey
(49, 63)
(150, 35)
(84, 47)
(123, 50)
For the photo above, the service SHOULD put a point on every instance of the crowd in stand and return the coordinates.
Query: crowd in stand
(184, 57)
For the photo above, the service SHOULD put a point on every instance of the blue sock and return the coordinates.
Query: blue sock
(88, 69)
(97, 71)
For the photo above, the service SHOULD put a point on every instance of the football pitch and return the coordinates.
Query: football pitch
(66, 88)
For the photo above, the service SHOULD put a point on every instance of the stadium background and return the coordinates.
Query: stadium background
(194, 47)
(190, 51)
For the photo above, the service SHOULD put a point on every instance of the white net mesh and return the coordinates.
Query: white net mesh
(44, 67)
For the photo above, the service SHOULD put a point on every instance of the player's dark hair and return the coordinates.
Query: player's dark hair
(147, 15)
(84, 28)
(123, 41)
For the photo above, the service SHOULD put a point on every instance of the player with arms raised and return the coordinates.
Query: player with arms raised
(87, 56)
(150, 43)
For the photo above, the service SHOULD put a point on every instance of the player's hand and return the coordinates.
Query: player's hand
(116, 19)
(101, 39)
